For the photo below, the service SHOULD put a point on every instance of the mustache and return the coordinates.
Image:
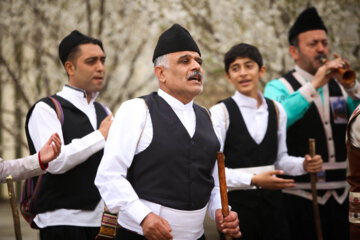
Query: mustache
(197, 74)
(321, 57)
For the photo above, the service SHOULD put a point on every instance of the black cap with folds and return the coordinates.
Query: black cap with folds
(72, 40)
(175, 39)
(308, 20)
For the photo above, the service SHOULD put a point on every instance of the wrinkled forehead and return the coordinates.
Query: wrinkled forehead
(182, 54)
(313, 35)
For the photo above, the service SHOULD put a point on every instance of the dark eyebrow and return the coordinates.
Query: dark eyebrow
(250, 61)
(95, 58)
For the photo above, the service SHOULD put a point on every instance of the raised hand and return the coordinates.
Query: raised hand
(105, 125)
(51, 149)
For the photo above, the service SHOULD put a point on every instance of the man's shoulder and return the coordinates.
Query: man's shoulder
(132, 106)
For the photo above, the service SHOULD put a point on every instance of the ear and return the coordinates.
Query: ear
(69, 67)
(228, 77)
(294, 52)
(160, 73)
(262, 71)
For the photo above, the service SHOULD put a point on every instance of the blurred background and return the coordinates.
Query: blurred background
(30, 32)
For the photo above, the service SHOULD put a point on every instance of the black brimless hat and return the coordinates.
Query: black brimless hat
(308, 20)
(72, 40)
(175, 39)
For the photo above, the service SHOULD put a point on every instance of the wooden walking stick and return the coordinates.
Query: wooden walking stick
(14, 208)
(223, 188)
(314, 193)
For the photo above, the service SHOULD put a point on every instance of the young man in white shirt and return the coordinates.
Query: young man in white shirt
(253, 138)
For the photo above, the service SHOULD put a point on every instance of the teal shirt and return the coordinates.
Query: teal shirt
(295, 104)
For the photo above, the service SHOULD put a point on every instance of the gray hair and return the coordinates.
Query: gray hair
(162, 61)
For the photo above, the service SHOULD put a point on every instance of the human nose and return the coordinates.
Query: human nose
(320, 47)
(196, 65)
(100, 66)
(242, 71)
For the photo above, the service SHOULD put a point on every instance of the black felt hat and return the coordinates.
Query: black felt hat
(308, 20)
(72, 40)
(175, 39)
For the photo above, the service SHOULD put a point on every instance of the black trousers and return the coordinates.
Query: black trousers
(124, 234)
(68, 233)
(333, 217)
(261, 214)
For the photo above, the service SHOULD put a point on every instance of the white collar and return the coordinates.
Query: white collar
(175, 103)
(307, 76)
(245, 101)
(78, 93)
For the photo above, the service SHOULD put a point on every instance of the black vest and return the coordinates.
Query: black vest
(310, 126)
(241, 150)
(175, 170)
(74, 189)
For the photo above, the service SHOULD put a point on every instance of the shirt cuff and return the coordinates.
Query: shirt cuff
(308, 92)
(43, 166)
(138, 211)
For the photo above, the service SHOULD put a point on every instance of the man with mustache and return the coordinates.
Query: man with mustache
(68, 205)
(159, 166)
(318, 103)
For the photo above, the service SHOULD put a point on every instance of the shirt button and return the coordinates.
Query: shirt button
(330, 138)
(332, 155)
(326, 123)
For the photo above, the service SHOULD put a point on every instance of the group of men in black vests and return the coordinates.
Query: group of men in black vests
(154, 163)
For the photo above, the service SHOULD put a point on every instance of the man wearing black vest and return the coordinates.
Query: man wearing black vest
(69, 205)
(317, 102)
(158, 171)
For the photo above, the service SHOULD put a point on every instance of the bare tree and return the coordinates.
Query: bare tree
(31, 30)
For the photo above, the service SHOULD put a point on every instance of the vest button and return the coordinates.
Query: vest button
(192, 141)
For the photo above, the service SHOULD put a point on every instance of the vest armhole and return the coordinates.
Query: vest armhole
(142, 130)
(277, 112)
(225, 116)
(209, 114)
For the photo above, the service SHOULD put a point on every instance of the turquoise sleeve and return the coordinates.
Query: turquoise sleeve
(295, 104)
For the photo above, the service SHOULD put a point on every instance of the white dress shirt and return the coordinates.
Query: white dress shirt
(44, 122)
(256, 120)
(21, 168)
(130, 134)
